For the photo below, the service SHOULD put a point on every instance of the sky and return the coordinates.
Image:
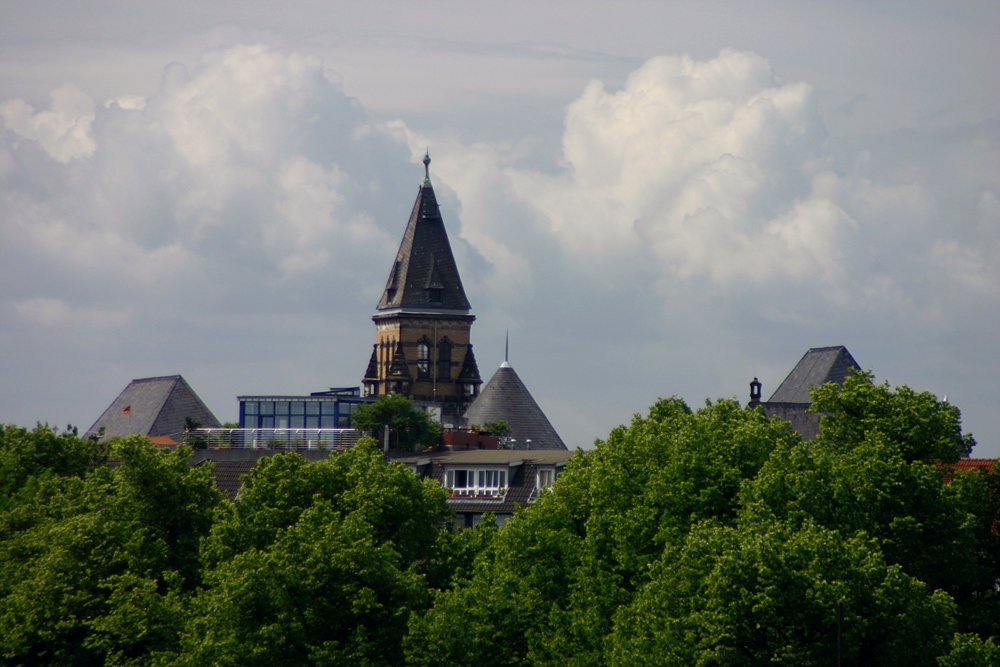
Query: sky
(652, 198)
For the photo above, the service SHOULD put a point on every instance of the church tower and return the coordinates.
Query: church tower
(422, 322)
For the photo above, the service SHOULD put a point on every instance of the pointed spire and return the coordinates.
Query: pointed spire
(372, 372)
(506, 351)
(424, 275)
(470, 369)
(427, 167)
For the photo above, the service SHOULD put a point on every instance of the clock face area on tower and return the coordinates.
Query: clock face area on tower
(423, 321)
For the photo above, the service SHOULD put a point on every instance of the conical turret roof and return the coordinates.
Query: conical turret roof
(424, 276)
(506, 398)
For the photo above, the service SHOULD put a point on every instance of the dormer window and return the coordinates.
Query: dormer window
(435, 295)
(476, 482)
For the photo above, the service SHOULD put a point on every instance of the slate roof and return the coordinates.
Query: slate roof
(506, 398)
(154, 406)
(424, 275)
(817, 367)
(229, 475)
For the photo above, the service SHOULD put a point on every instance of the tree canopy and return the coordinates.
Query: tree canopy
(717, 537)
(409, 427)
(688, 537)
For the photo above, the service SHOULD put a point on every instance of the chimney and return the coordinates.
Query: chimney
(754, 393)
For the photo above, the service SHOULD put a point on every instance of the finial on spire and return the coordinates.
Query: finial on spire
(506, 351)
(427, 167)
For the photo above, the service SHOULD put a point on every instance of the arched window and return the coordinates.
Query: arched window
(444, 360)
(423, 359)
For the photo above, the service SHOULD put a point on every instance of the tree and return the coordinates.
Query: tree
(767, 594)
(877, 468)
(95, 568)
(717, 537)
(317, 563)
(409, 427)
(27, 458)
(969, 650)
(325, 592)
(498, 429)
(548, 587)
(920, 426)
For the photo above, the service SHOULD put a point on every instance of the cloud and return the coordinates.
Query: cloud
(54, 313)
(707, 166)
(254, 160)
(692, 225)
(64, 132)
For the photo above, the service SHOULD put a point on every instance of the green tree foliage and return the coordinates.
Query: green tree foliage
(499, 428)
(317, 563)
(547, 590)
(969, 650)
(93, 570)
(877, 468)
(27, 458)
(325, 592)
(767, 594)
(917, 424)
(400, 507)
(717, 537)
(409, 427)
(706, 537)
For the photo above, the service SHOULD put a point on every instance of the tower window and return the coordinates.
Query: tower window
(423, 359)
(444, 360)
(435, 294)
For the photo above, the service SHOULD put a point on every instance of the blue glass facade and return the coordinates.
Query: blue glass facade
(325, 410)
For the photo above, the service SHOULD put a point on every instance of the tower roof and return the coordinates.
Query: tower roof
(424, 276)
(817, 367)
(506, 398)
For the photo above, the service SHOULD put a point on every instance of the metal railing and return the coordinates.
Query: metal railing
(334, 439)
(478, 493)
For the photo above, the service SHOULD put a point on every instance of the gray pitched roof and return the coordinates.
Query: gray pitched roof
(506, 398)
(819, 366)
(154, 407)
(424, 275)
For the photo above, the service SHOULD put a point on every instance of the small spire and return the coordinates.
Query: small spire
(506, 351)
(427, 167)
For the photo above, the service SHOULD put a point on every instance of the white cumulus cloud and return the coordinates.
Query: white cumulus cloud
(707, 165)
(63, 131)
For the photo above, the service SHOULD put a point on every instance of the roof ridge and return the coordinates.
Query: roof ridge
(170, 395)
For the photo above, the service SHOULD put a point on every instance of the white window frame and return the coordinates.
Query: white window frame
(479, 482)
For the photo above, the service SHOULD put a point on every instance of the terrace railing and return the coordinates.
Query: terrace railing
(335, 439)
(478, 493)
